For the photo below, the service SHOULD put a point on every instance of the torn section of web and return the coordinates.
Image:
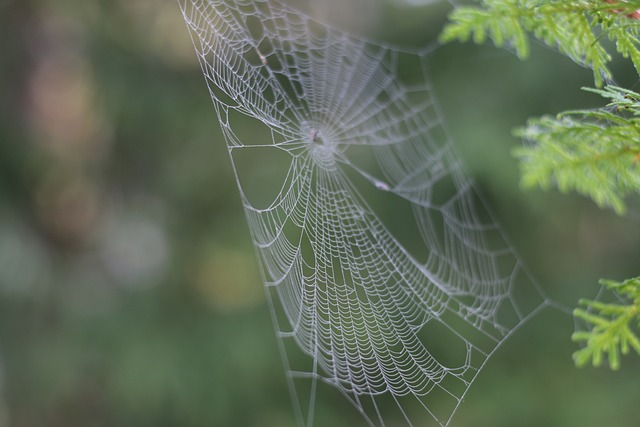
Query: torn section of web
(398, 312)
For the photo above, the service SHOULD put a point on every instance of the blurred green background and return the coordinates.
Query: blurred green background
(129, 292)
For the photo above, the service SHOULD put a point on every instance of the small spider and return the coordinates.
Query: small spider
(313, 135)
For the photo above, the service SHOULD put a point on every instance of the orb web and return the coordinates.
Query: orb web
(328, 133)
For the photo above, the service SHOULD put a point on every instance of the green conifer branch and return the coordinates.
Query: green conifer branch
(614, 327)
(624, 32)
(574, 27)
(593, 152)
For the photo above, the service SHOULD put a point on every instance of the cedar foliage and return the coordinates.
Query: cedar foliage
(593, 152)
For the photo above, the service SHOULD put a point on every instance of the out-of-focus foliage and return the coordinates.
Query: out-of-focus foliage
(129, 292)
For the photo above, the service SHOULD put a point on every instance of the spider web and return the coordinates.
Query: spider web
(397, 312)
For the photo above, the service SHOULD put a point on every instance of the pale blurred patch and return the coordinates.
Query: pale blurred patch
(69, 132)
(227, 279)
(359, 16)
(25, 264)
(134, 250)
(64, 117)
(156, 28)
